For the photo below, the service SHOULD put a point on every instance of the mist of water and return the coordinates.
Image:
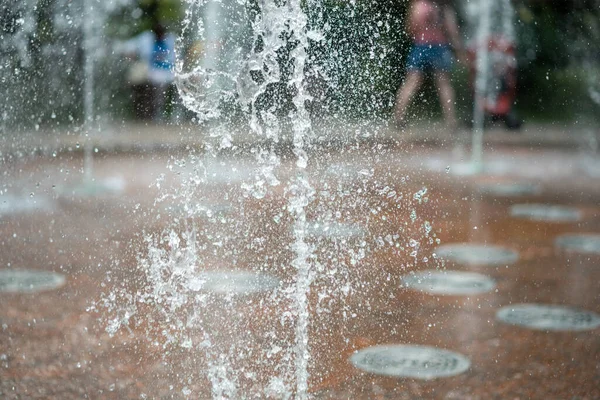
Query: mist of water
(89, 49)
(490, 22)
(44, 80)
(481, 86)
(249, 92)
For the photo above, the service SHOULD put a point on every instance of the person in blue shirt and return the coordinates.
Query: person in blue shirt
(161, 69)
(153, 70)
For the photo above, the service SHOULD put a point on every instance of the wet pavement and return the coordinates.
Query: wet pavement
(144, 137)
(381, 216)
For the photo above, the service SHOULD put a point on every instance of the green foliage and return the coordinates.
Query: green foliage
(140, 16)
(363, 51)
(559, 42)
(556, 95)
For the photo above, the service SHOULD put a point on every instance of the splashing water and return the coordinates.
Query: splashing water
(240, 72)
(276, 28)
(249, 90)
(37, 94)
(490, 21)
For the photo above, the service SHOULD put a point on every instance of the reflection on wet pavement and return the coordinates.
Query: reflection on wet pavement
(439, 293)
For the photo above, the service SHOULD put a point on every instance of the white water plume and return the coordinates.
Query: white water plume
(226, 79)
(493, 42)
(243, 69)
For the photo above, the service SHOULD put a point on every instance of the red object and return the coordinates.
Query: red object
(503, 75)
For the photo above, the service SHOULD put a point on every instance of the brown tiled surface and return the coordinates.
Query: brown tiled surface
(53, 346)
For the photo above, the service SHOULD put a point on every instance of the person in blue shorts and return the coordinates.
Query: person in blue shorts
(434, 30)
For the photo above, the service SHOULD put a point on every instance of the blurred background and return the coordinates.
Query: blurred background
(160, 237)
(364, 53)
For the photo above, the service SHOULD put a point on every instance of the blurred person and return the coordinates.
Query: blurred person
(501, 91)
(434, 29)
(152, 73)
(161, 74)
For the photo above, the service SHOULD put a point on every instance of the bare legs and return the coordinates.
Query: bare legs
(413, 83)
(406, 93)
(446, 95)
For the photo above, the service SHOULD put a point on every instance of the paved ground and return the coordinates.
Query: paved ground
(148, 137)
(133, 319)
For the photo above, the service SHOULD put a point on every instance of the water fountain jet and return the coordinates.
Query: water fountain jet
(92, 23)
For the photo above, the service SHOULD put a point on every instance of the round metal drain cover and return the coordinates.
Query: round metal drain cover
(583, 243)
(233, 282)
(548, 317)
(334, 230)
(545, 212)
(94, 188)
(449, 282)
(408, 361)
(508, 189)
(11, 204)
(29, 281)
(474, 254)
